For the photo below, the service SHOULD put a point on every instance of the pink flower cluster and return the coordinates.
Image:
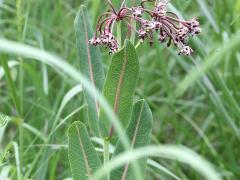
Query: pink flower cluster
(165, 24)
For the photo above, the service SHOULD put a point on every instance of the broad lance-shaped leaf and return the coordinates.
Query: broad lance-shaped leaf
(83, 158)
(119, 87)
(139, 133)
(90, 65)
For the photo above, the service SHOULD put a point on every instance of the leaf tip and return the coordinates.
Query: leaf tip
(74, 125)
(143, 103)
(82, 9)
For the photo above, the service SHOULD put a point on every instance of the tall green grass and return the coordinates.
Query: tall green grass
(195, 101)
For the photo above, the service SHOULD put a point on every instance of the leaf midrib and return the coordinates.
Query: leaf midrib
(90, 61)
(120, 82)
(126, 167)
(84, 153)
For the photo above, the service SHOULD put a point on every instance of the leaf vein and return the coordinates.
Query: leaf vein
(84, 153)
(90, 61)
(133, 142)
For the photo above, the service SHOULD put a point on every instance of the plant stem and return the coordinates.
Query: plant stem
(106, 155)
(138, 44)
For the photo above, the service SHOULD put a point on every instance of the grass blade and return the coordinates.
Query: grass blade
(208, 63)
(11, 64)
(205, 10)
(66, 99)
(17, 159)
(3, 120)
(162, 168)
(179, 153)
(11, 85)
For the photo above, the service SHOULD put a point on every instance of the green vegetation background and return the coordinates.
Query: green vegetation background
(195, 101)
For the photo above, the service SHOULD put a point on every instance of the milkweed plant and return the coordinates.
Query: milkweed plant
(150, 21)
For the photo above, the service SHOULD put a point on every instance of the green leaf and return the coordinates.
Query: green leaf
(139, 133)
(90, 65)
(10, 83)
(84, 160)
(120, 86)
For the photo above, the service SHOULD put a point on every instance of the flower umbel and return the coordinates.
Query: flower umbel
(160, 21)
